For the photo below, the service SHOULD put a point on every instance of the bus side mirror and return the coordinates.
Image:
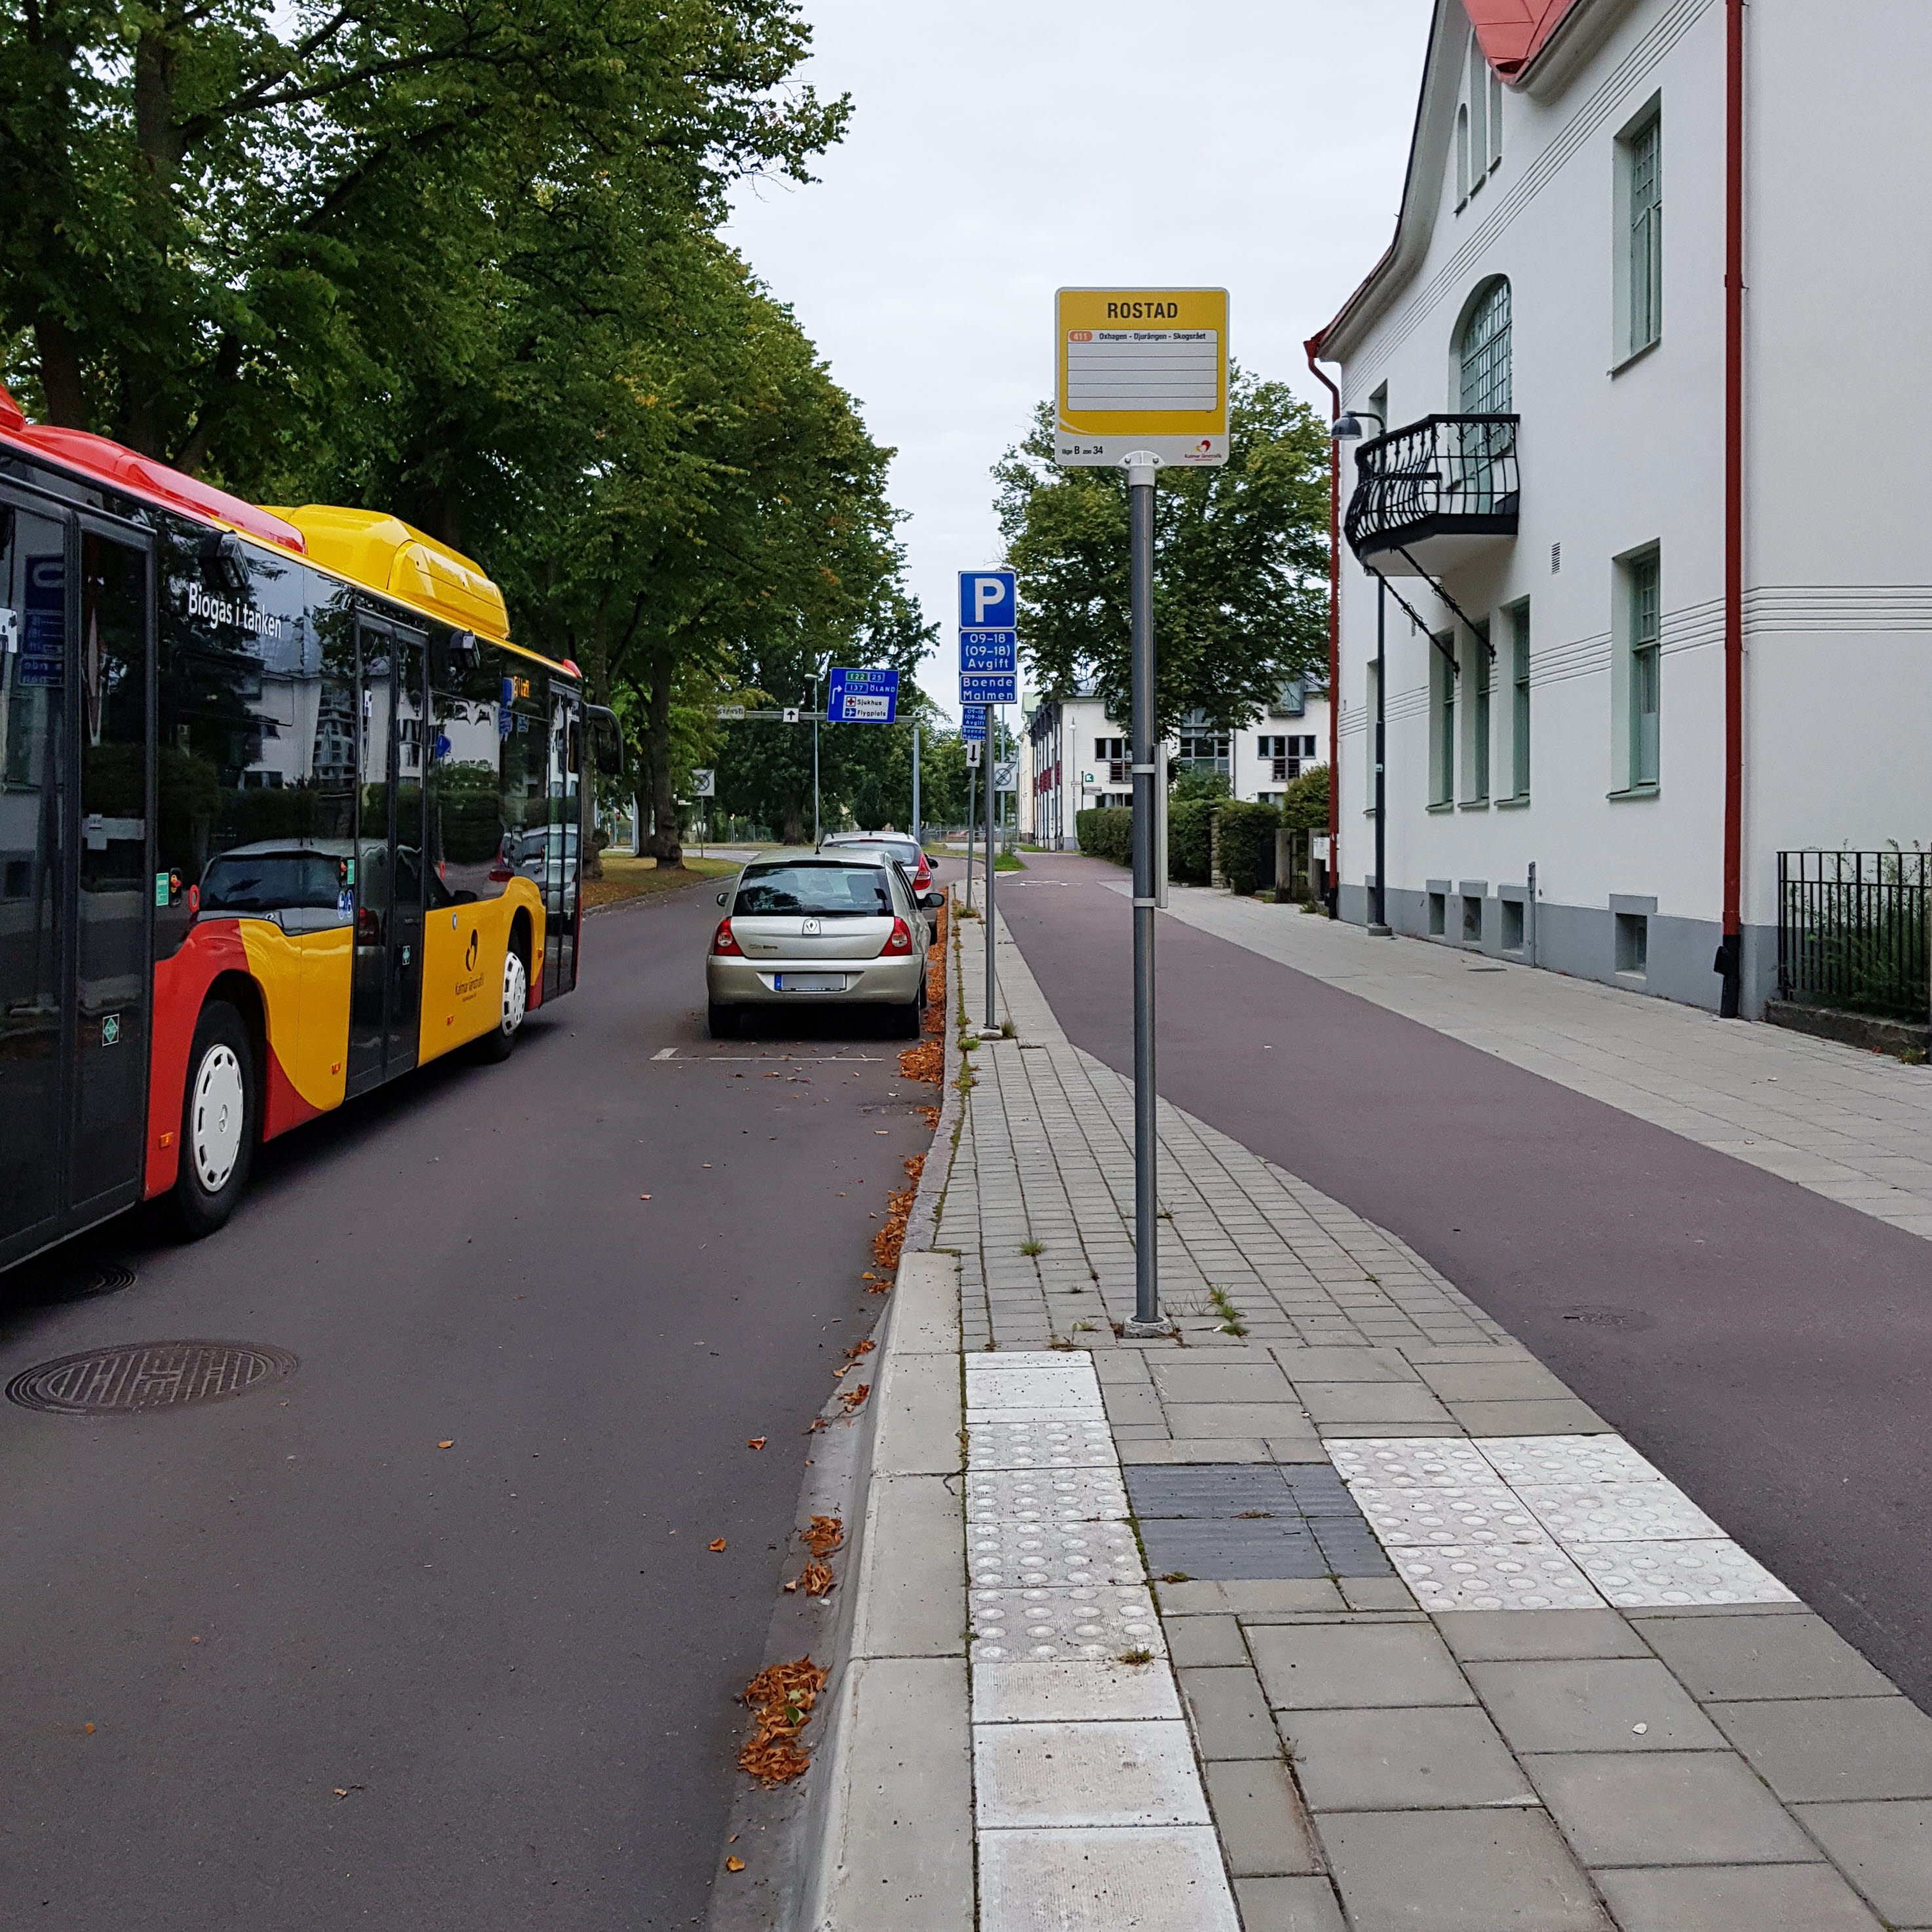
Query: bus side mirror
(607, 741)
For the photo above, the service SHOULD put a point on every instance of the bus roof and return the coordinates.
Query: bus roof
(370, 547)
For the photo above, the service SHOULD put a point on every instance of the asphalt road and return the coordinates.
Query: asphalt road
(1770, 1349)
(516, 1656)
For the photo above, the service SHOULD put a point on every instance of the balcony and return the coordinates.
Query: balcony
(1434, 495)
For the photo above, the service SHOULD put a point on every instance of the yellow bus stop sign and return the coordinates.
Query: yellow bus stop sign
(1141, 369)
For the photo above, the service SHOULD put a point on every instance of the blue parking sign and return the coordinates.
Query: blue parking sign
(972, 721)
(861, 696)
(989, 650)
(987, 601)
(988, 688)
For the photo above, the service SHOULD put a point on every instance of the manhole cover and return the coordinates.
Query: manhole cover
(140, 1377)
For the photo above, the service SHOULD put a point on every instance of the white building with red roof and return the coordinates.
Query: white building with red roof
(1635, 573)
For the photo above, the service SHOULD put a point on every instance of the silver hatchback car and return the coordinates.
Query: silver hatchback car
(836, 928)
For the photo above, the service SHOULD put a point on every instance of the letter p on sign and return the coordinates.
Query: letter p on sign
(986, 600)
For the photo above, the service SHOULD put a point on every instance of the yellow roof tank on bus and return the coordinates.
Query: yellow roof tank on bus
(373, 547)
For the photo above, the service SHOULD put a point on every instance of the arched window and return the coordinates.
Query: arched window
(1482, 352)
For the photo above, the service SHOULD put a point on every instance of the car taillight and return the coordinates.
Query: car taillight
(899, 939)
(922, 878)
(723, 940)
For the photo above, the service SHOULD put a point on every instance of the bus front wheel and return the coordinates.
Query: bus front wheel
(219, 1127)
(496, 1043)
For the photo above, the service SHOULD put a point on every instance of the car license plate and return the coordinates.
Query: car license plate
(809, 983)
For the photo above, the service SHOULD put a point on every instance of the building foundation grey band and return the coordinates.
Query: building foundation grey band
(1140, 467)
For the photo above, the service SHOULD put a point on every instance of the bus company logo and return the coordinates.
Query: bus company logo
(228, 611)
(470, 957)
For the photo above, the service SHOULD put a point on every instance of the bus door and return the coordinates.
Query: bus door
(386, 1001)
(563, 858)
(75, 855)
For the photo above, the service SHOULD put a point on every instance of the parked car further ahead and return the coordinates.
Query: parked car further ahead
(901, 845)
(843, 928)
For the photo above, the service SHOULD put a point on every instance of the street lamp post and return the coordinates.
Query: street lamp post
(1348, 426)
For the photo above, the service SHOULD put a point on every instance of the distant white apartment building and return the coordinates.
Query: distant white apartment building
(1075, 757)
(1643, 384)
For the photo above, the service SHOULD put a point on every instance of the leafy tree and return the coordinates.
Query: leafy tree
(1304, 806)
(1241, 564)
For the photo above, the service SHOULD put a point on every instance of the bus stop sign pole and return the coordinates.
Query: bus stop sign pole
(1140, 466)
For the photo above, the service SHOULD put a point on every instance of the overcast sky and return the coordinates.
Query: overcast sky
(1001, 149)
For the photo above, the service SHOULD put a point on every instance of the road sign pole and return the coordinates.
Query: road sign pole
(991, 755)
(972, 806)
(916, 838)
(1141, 466)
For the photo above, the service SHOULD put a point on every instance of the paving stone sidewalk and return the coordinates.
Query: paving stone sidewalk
(1341, 1585)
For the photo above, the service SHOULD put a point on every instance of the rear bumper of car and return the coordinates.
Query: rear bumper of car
(753, 983)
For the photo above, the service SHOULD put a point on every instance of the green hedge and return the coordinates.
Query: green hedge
(1106, 832)
(1190, 830)
(1246, 834)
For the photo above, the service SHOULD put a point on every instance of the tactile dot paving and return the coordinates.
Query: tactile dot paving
(1616, 1512)
(1713, 1571)
(1048, 1624)
(1408, 1511)
(1518, 1460)
(1473, 1577)
(1045, 1495)
(1055, 1553)
(1423, 1459)
(1039, 1442)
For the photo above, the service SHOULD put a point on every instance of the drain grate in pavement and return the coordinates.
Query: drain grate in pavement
(138, 1378)
(1224, 1522)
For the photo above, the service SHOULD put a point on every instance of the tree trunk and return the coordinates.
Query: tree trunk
(60, 381)
(664, 845)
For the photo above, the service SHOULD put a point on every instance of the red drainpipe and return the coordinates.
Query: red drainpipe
(1313, 343)
(1730, 959)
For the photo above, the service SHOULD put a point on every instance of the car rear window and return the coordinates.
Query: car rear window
(818, 891)
(257, 882)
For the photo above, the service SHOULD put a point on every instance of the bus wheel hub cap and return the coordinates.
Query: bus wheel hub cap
(515, 993)
(218, 1114)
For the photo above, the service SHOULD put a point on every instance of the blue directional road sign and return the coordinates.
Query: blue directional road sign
(862, 697)
(989, 650)
(977, 687)
(987, 601)
(972, 722)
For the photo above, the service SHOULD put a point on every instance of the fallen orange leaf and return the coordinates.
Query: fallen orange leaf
(756, 1442)
(718, 1544)
(734, 1865)
(450, 1445)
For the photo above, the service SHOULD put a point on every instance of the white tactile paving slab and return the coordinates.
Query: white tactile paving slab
(1040, 1443)
(1026, 1554)
(1045, 1495)
(1070, 1691)
(1634, 1575)
(1446, 1461)
(1407, 1510)
(1162, 1878)
(1616, 1512)
(1059, 1776)
(1519, 1459)
(1050, 1624)
(1508, 1576)
(990, 1362)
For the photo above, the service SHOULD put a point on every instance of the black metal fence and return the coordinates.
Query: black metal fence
(1851, 931)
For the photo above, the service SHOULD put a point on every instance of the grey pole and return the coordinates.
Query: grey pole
(814, 765)
(972, 810)
(1140, 466)
(1379, 926)
(991, 755)
(916, 838)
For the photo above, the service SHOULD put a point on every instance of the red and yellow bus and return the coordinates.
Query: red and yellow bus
(284, 813)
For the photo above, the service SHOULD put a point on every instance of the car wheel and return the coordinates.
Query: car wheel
(904, 1021)
(723, 1022)
(496, 1043)
(218, 1128)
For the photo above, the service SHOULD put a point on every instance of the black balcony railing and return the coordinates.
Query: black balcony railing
(1851, 931)
(1452, 477)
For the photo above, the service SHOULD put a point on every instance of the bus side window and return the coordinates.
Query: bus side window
(467, 830)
